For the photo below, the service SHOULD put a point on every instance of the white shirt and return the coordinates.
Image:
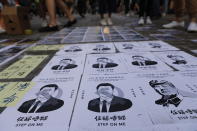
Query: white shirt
(107, 104)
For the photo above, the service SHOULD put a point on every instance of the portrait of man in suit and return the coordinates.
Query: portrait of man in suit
(104, 62)
(177, 59)
(107, 101)
(127, 46)
(74, 49)
(44, 102)
(142, 61)
(155, 45)
(65, 64)
(101, 48)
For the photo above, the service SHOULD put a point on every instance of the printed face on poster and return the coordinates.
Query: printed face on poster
(108, 103)
(47, 106)
(100, 48)
(144, 62)
(104, 64)
(63, 67)
(180, 60)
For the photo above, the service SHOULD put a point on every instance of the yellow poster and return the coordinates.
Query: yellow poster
(23, 67)
(45, 47)
(13, 92)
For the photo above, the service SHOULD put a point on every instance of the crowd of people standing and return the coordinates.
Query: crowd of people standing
(147, 10)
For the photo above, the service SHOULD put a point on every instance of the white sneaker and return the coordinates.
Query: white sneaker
(141, 21)
(103, 22)
(148, 20)
(109, 21)
(44, 23)
(192, 27)
(174, 24)
(127, 14)
(2, 30)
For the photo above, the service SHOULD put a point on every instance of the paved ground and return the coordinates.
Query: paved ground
(183, 39)
(119, 20)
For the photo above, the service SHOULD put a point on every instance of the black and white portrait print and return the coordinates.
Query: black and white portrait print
(142, 61)
(107, 101)
(104, 62)
(101, 48)
(74, 49)
(170, 95)
(177, 59)
(128, 46)
(65, 64)
(155, 45)
(44, 101)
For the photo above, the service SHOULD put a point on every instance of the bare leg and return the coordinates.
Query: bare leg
(50, 4)
(65, 9)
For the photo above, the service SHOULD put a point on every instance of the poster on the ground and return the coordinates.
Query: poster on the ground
(127, 47)
(63, 66)
(179, 60)
(47, 106)
(169, 98)
(22, 67)
(12, 92)
(101, 48)
(156, 46)
(108, 103)
(45, 47)
(73, 49)
(104, 64)
(144, 62)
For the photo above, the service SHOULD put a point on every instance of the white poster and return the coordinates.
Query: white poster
(101, 48)
(144, 62)
(62, 67)
(106, 103)
(179, 60)
(104, 64)
(128, 47)
(169, 97)
(73, 48)
(157, 46)
(47, 106)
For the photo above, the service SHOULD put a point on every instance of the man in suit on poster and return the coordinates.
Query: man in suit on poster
(177, 59)
(44, 102)
(65, 64)
(127, 46)
(107, 102)
(101, 48)
(142, 61)
(155, 45)
(74, 49)
(104, 62)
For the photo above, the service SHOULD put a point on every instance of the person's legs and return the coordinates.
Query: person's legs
(103, 11)
(142, 5)
(127, 6)
(65, 9)
(50, 4)
(110, 7)
(148, 11)
(52, 24)
(179, 6)
(191, 6)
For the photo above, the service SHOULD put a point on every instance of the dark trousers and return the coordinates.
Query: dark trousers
(106, 6)
(81, 6)
(145, 7)
(127, 6)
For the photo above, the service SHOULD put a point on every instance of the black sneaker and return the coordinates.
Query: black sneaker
(48, 29)
(70, 23)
